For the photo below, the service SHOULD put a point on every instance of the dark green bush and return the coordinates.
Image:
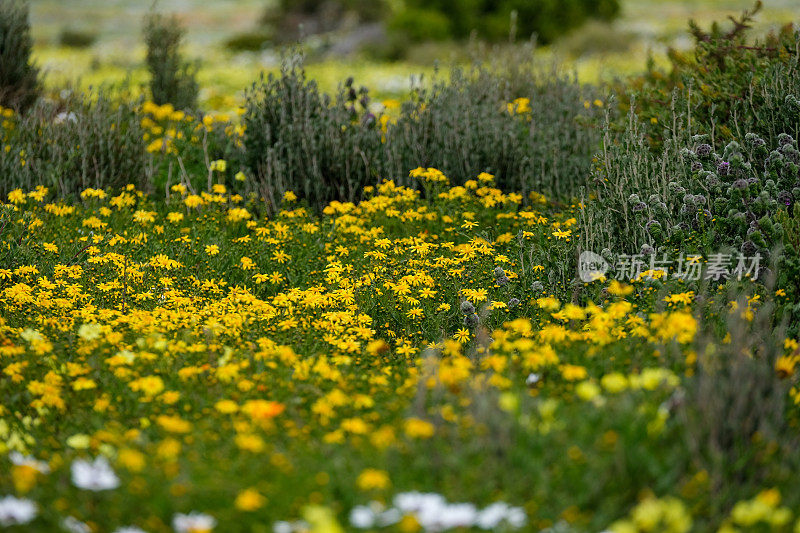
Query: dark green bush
(420, 24)
(294, 19)
(497, 20)
(251, 41)
(76, 38)
(172, 78)
(19, 78)
(74, 144)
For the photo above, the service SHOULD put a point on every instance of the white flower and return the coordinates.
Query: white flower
(193, 522)
(64, 117)
(97, 475)
(389, 517)
(362, 517)
(298, 526)
(516, 517)
(413, 502)
(129, 529)
(15, 511)
(492, 516)
(24, 460)
(532, 379)
(73, 525)
(282, 526)
(449, 516)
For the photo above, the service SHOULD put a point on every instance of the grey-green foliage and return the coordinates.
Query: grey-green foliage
(299, 139)
(330, 148)
(733, 408)
(461, 126)
(19, 77)
(625, 176)
(74, 144)
(639, 197)
(172, 77)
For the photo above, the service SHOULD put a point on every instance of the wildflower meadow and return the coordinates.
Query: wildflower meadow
(508, 301)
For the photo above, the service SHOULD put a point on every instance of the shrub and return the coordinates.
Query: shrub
(525, 125)
(499, 20)
(731, 86)
(76, 38)
(294, 19)
(297, 138)
(529, 127)
(81, 142)
(706, 155)
(19, 78)
(252, 41)
(420, 24)
(172, 78)
(734, 409)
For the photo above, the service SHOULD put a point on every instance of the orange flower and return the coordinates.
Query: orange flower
(262, 409)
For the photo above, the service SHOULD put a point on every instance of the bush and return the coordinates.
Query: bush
(19, 78)
(252, 41)
(297, 138)
(295, 19)
(527, 126)
(76, 38)
(499, 20)
(69, 146)
(705, 157)
(734, 409)
(731, 85)
(419, 24)
(172, 78)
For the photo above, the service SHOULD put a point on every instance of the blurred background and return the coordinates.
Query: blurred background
(381, 43)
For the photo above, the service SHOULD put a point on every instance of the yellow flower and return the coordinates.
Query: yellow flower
(148, 385)
(226, 406)
(619, 289)
(220, 165)
(131, 459)
(249, 442)
(249, 500)
(83, 383)
(79, 441)
(614, 383)
(462, 335)
(587, 390)
(416, 428)
(90, 332)
(372, 479)
(785, 365)
(573, 372)
(262, 409)
(174, 424)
